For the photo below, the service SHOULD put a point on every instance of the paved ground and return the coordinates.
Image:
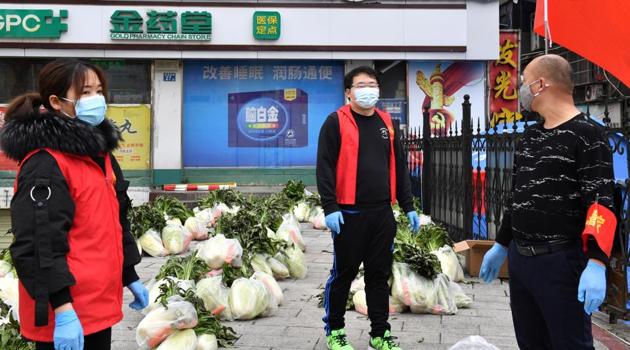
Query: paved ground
(298, 325)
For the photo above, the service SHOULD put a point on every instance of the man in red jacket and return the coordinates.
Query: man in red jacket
(361, 171)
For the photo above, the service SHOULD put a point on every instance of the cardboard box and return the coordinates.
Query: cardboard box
(473, 252)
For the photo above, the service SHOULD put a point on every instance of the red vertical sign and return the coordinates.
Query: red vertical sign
(503, 81)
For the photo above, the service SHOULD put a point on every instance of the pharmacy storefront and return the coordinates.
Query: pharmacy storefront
(214, 92)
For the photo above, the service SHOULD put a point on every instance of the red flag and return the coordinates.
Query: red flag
(595, 29)
(601, 224)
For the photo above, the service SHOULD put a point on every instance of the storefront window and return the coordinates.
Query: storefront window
(129, 81)
(257, 113)
(393, 89)
(18, 76)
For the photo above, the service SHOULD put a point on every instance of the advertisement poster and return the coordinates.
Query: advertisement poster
(503, 82)
(397, 107)
(440, 86)
(6, 164)
(257, 113)
(134, 122)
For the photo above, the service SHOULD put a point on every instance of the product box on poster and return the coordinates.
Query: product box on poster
(473, 251)
(275, 118)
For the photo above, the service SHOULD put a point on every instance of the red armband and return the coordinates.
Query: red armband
(601, 224)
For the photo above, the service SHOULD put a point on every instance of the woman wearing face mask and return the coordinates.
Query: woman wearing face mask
(73, 250)
(361, 170)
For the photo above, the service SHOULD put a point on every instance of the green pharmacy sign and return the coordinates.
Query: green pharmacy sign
(266, 25)
(32, 24)
(130, 25)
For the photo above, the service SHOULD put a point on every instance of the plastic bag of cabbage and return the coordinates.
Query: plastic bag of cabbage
(175, 237)
(302, 211)
(248, 299)
(219, 250)
(271, 285)
(420, 294)
(317, 218)
(151, 243)
(198, 227)
(214, 295)
(164, 321)
(450, 263)
(295, 260)
(360, 304)
(289, 231)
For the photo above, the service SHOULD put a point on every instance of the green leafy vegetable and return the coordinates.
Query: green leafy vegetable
(172, 207)
(184, 268)
(145, 217)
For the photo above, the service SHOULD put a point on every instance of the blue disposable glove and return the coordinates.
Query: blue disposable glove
(414, 221)
(68, 334)
(141, 295)
(592, 287)
(492, 262)
(334, 222)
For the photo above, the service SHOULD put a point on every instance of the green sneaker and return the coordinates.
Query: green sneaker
(384, 343)
(337, 341)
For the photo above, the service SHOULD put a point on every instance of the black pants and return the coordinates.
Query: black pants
(97, 341)
(545, 308)
(366, 237)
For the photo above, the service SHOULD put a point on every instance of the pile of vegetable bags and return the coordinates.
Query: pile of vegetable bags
(253, 242)
(425, 273)
(167, 227)
(178, 318)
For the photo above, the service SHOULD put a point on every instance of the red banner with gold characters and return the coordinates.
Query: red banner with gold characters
(5, 163)
(503, 81)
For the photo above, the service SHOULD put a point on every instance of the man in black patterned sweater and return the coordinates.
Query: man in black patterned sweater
(558, 227)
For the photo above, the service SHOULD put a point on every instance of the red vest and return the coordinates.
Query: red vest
(349, 156)
(95, 258)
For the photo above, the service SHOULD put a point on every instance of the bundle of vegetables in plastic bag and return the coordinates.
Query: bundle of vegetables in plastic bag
(295, 260)
(360, 304)
(302, 211)
(289, 231)
(180, 340)
(152, 244)
(450, 263)
(146, 223)
(279, 270)
(422, 295)
(163, 321)
(154, 289)
(219, 250)
(198, 227)
(204, 216)
(175, 237)
(259, 264)
(317, 218)
(271, 285)
(215, 296)
(248, 299)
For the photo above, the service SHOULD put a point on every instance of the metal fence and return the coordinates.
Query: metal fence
(463, 176)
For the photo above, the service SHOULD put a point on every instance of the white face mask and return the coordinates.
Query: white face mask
(90, 110)
(366, 97)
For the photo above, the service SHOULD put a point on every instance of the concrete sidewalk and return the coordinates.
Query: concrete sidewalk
(298, 324)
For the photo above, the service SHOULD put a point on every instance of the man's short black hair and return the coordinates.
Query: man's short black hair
(347, 80)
